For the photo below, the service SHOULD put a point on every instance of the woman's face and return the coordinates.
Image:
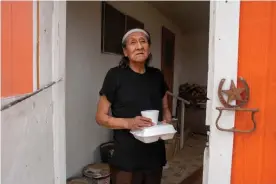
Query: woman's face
(137, 47)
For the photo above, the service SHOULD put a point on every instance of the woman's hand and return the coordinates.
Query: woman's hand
(167, 117)
(138, 122)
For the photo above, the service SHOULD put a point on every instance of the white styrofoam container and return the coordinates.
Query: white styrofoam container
(154, 133)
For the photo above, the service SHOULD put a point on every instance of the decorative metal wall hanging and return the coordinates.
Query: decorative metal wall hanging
(241, 96)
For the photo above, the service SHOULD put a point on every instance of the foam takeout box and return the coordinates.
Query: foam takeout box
(154, 133)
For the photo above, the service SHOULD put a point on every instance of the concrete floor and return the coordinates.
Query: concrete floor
(186, 166)
(195, 178)
(199, 181)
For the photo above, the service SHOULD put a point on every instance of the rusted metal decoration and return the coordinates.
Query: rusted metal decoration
(241, 96)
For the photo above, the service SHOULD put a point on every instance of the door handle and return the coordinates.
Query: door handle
(235, 94)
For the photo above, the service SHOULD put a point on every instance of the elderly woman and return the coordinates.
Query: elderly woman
(128, 89)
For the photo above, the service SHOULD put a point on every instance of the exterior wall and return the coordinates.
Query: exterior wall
(45, 33)
(17, 48)
(27, 141)
(254, 154)
(194, 66)
(33, 131)
(86, 67)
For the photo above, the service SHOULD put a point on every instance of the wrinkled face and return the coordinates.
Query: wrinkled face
(137, 47)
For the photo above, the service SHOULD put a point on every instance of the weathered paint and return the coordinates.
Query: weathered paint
(223, 63)
(34, 129)
(58, 90)
(17, 48)
(35, 45)
(254, 157)
(45, 32)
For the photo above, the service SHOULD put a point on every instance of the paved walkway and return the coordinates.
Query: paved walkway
(186, 162)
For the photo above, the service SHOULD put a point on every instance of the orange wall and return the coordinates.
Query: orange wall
(254, 155)
(17, 48)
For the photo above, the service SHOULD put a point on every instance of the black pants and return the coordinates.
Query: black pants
(139, 177)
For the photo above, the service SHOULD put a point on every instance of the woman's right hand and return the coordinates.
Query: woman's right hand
(139, 122)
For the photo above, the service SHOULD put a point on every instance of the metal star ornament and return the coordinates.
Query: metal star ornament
(233, 93)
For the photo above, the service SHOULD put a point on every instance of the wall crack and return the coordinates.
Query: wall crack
(12, 103)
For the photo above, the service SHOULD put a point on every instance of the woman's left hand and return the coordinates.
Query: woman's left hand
(167, 117)
(166, 121)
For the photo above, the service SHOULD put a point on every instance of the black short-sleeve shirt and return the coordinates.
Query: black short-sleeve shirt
(129, 93)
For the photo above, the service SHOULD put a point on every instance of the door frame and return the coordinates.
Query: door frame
(166, 31)
(222, 63)
(58, 60)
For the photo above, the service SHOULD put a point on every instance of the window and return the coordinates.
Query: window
(114, 26)
(133, 23)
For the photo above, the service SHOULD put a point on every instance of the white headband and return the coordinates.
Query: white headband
(132, 31)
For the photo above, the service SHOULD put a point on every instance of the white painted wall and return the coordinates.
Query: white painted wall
(6, 100)
(86, 67)
(27, 141)
(46, 9)
(33, 131)
(223, 64)
(195, 63)
(58, 90)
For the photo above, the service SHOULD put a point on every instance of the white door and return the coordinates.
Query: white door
(223, 63)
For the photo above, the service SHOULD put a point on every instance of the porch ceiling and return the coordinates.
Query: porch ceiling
(188, 15)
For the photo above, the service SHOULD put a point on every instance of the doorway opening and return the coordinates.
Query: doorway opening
(180, 38)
